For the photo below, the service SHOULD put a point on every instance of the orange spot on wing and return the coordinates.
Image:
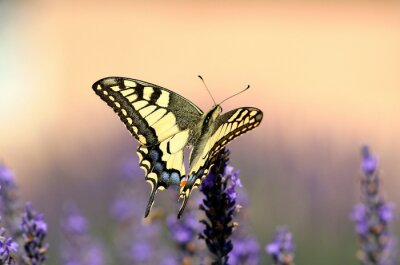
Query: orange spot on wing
(183, 182)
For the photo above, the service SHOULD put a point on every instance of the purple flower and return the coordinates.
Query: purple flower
(34, 231)
(74, 222)
(170, 261)
(245, 252)
(137, 240)
(386, 212)
(126, 207)
(78, 247)
(234, 181)
(10, 204)
(8, 248)
(141, 251)
(372, 217)
(359, 215)
(183, 230)
(7, 178)
(219, 205)
(95, 254)
(369, 162)
(122, 209)
(281, 249)
(245, 247)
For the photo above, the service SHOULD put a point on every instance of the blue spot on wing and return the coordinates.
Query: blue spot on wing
(158, 167)
(175, 178)
(165, 176)
(154, 155)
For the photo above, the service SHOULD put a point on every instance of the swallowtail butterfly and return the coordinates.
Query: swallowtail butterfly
(164, 123)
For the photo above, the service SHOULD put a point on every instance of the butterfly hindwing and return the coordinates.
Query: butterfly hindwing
(161, 170)
(159, 119)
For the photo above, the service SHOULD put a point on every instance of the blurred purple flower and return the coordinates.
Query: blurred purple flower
(10, 204)
(183, 230)
(170, 261)
(219, 205)
(95, 254)
(359, 215)
(372, 217)
(369, 162)
(122, 209)
(34, 231)
(282, 248)
(8, 249)
(141, 251)
(74, 222)
(78, 247)
(137, 240)
(245, 252)
(6, 177)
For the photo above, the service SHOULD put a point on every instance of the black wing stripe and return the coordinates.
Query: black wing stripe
(155, 96)
(133, 121)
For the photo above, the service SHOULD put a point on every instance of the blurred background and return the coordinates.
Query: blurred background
(326, 75)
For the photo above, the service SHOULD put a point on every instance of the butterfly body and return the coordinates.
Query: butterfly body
(165, 123)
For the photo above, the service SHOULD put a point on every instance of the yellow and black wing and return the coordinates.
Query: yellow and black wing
(159, 119)
(227, 127)
(232, 124)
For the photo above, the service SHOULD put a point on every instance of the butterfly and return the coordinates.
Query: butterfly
(164, 123)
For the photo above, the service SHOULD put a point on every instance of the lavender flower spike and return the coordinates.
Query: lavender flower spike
(281, 249)
(10, 205)
(372, 217)
(219, 206)
(34, 231)
(8, 249)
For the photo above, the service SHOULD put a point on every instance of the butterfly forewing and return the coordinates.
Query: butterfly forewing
(159, 119)
(232, 124)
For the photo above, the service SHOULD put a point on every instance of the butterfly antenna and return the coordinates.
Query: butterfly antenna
(248, 86)
(207, 88)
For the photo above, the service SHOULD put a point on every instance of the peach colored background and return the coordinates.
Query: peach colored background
(326, 75)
